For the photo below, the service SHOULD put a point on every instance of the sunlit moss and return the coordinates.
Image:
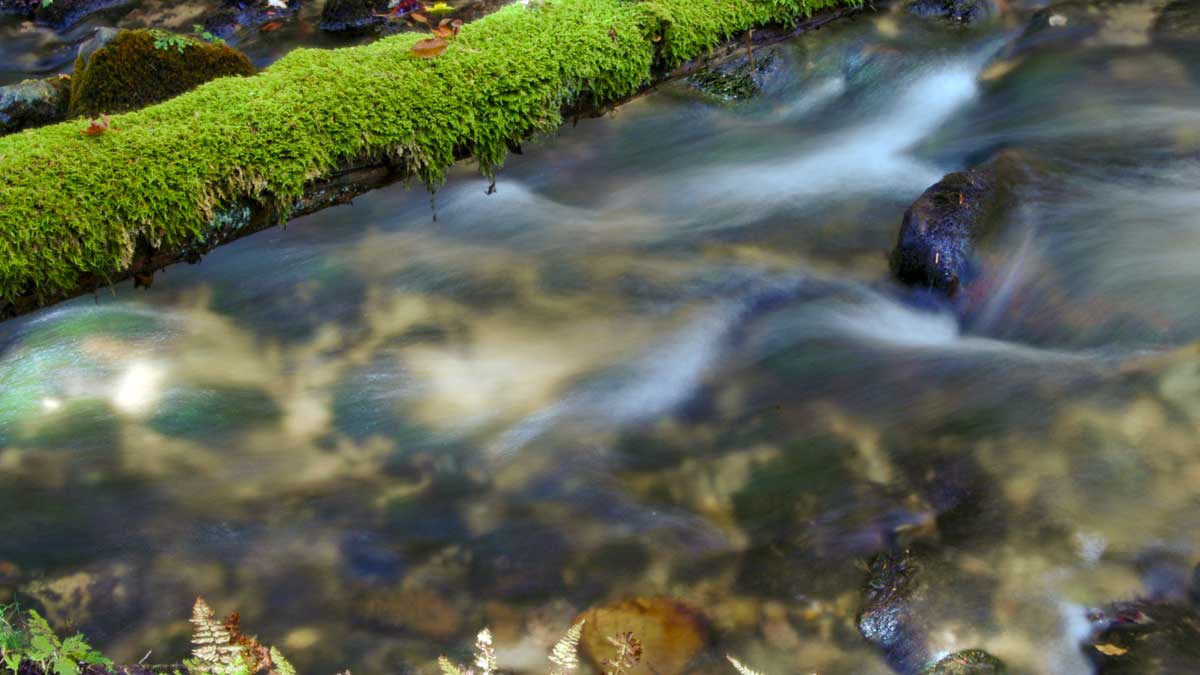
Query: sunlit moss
(72, 205)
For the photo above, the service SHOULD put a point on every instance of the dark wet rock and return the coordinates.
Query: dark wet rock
(737, 80)
(940, 231)
(963, 11)
(606, 566)
(671, 633)
(965, 499)
(131, 72)
(887, 621)
(58, 14)
(357, 15)
(1178, 24)
(522, 561)
(967, 662)
(33, 103)
(1177, 29)
(912, 595)
(1146, 637)
(247, 14)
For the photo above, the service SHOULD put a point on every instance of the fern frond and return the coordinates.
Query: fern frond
(740, 667)
(448, 668)
(485, 655)
(566, 653)
(280, 665)
(212, 644)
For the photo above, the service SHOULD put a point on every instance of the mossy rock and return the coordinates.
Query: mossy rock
(33, 103)
(737, 80)
(138, 68)
(967, 662)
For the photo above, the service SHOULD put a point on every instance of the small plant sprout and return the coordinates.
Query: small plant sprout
(629, 654)
(565, 656)
(35, 643)
(206, 35)
(166, 41)
(740, 667)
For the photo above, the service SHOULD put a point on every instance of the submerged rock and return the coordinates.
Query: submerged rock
(936, 246)
(355, 15)
(671, 634)
(915, 603)
(887, 620)
(250, 14)
(1146, 637)
(737, 80)
(963, 11)
(420, 611)
(138, 68)
(58, 14)
(967, 662)
(521, 561)
(33, 103)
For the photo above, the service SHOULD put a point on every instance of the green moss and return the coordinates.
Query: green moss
(72, 205)
(132, 71)
(967, 662)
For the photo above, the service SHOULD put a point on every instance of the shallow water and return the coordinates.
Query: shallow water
(663, 359)
(29, 50)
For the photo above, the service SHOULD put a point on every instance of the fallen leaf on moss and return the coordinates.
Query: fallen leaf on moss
(97, 127)
(430, 47)
(446, 28)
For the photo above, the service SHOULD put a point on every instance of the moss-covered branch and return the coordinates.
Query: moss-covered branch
(77, 210)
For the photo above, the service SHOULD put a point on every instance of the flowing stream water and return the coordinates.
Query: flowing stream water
(663, 359)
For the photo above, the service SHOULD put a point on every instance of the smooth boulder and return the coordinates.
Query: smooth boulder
(33, 103)
(670, 633)
(936, 248)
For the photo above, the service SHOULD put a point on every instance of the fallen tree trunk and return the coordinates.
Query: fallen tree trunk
(172, 182)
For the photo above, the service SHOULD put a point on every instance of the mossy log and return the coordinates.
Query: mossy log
(234, 156)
